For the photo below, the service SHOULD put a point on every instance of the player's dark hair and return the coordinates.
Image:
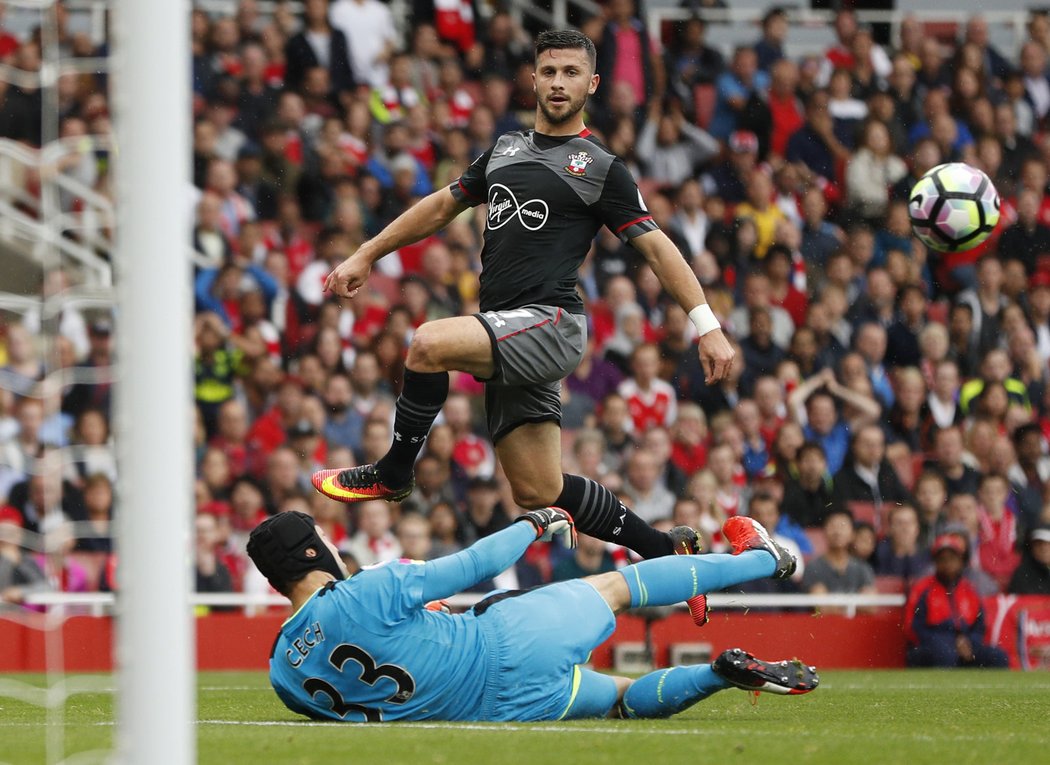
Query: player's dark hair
(567, 39)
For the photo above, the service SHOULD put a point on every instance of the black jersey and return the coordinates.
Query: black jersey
(547, 197)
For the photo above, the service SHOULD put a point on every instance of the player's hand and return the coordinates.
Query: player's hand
(349, 276)
(716, 356)
(551, 521)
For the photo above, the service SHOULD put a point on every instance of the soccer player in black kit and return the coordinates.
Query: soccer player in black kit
(548, 192)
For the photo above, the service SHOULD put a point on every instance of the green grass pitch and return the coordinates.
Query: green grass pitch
(901, 718)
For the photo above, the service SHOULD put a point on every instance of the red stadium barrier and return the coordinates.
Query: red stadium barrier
(235, 642)
(831, 642)
(1021, 625)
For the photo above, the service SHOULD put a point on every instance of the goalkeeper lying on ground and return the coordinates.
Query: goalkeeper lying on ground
(367, 648)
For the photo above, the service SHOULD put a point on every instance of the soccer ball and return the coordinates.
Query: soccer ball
(953, 207)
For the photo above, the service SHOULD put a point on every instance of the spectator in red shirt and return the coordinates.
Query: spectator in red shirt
(732, 493)
(471, 452)
(689, 438)
(248, 507)
(769, 396)
(943, 620)
(997, 530)
(787, 111)
(270, 430)
(651, 401)
(232, 437)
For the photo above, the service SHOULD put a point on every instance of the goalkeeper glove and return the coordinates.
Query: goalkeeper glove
(550, 521)
(439, 605)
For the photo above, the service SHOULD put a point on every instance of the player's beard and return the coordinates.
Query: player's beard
(573, 108)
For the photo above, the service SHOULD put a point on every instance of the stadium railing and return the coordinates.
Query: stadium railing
(23, 215)
(811, 30)
(101, 603)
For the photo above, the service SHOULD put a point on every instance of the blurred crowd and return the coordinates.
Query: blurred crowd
(883, 396)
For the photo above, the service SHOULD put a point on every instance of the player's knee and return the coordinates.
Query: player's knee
(424, 352)
(613, 588)
(533, 497)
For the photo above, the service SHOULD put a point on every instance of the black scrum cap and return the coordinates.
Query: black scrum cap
(286, 547)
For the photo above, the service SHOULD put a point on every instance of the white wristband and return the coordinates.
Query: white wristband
(704, 319)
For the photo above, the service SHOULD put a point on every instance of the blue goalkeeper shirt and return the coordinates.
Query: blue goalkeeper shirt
(366, 649)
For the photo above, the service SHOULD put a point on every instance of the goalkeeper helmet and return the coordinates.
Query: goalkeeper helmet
(287, 547)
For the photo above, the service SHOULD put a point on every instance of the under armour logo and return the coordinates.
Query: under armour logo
(504, 207)
(510, 151)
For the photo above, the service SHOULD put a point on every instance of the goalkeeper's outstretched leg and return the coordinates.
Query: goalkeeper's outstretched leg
(669, 691)
(665, 581)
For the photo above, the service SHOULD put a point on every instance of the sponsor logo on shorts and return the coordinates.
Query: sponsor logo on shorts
(504, 207)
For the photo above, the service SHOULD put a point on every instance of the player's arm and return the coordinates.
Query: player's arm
(419, 221)
(492, 554)
(484, 559)
(681, 283)
(622, 209)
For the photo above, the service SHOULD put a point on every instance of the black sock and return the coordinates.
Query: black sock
(598, 513)
(421, 399)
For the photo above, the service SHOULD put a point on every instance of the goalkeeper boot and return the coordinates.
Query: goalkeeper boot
(359, 484)
(686, 542)
(745, 533)
(784, 677)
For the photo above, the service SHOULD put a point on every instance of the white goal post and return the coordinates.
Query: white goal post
(155, 656)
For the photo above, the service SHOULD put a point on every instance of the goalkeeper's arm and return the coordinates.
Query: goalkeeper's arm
(492, 554)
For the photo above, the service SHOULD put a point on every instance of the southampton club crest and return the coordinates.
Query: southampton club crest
(578, 163)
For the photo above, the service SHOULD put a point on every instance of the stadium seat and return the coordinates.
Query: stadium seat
(819, 540)
(864, 512)
(890, 585)
(945, 32)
